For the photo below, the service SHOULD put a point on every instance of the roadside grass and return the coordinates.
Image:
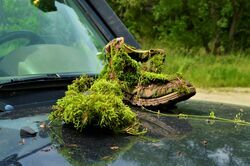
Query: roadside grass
(206, 71)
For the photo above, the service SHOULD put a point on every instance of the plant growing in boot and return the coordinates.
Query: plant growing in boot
(129, 74)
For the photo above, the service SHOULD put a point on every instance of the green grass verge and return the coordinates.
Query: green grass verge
(211, 71)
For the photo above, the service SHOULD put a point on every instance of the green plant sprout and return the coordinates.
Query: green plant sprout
(212, 115)
(237, 120)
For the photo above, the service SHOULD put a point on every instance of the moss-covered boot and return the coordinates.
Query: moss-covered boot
(140, 74)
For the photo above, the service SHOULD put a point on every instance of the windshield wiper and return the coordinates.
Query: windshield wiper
(40, 81)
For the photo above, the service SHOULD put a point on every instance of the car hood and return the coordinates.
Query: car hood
(57, 143)
(17, 149)
(30, 109)
(62, 145)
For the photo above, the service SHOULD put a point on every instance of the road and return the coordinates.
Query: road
(238, 96)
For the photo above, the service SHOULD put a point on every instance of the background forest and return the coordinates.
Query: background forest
(218, 26)
(208, 41)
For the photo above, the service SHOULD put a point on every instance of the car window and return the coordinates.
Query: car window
(36, 42)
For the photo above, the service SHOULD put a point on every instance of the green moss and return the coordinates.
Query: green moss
(81, 84)
(151, 78)
(129, 72)
(99, 102)
(122, 67)
(154, 64)
(99, 105)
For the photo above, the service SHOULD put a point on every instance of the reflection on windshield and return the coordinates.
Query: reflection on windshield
(37, 42)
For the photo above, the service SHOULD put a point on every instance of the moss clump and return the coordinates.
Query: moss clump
(81, 84)
(121, 67)
(154, 78)
(98, 104)
(154, 64)
(90, 102)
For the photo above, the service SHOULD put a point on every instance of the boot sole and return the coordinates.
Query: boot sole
(171, 98)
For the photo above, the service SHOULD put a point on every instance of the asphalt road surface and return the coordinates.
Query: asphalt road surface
(238, 96)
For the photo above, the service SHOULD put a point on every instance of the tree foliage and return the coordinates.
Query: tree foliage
(219, 26)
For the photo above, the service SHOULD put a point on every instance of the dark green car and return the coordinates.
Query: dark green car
(44, 48)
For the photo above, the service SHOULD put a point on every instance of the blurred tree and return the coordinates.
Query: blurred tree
(219, 26)
(137, 15)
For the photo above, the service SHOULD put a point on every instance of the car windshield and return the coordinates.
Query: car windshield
(36, 42)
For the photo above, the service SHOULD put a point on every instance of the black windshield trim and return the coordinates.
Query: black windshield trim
(108, 23)
(114, 23)
(91, 14)
(38, 82)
